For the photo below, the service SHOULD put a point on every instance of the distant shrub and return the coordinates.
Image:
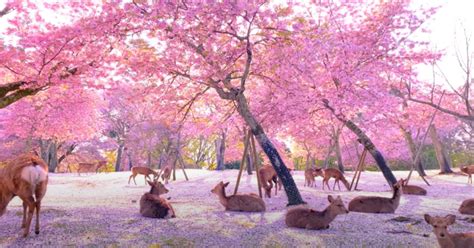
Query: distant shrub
(232, 165)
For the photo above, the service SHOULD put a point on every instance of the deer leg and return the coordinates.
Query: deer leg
(30, 202)
(23, 223)
(130, 178)
(334, 186)
(338, 186)
(38, 208)
(134, 179)
(324, 180)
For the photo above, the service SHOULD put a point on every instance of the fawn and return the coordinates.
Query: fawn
(143, 171)
(469, 170)
(446, 239)
(268, 176)
(375, 204)
(337, 175)
(302, 217)
(467, 207)
(242, 203)
(310, 174)
(153, 206)
(412, 189)
(26, 177)
(165, 174)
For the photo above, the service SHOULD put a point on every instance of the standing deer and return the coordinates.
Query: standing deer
(469, 170)
(26, 177)
(101, 165)
(446, 239)
(90, 167)
(242, 203)
(412, 189)
(165, 174)
(268, 176)
(153, 206)
(302, 217)
(467, 207)
(337, 175)
(375, 204)
(142, 171)
(311, 174)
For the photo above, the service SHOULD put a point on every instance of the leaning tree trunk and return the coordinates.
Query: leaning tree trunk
(118, 160)
(220, 151)
(367, 143)
(412, 147)
(292, 192)
(444, 161)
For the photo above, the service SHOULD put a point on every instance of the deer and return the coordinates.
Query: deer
(142, 171)
(310, 174)
(153, 206)
(375, 204)
(302, 217)
(101, 165)
(165, 174)
(469, 170)
(268, 176)
(412, 189)
(337, 175)
(239, 202)
(446, 239)
(467, 207)
(87, 167)
(26, 177)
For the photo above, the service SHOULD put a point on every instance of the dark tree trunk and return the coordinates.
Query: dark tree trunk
(337, 149)
(68, 152)
(412, 147)
(292, 192)
(444, 161)
(118, 160)
(367, 143)
(250, 163)
(148, 160)
(220, 151)
(53, 157)
(328, 156)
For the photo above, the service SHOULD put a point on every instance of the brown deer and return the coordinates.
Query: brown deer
(90, 167)
(467, 207)
(375, 204)
(241, 202)
(311, 174)
(101, 165)
(446, 239)
(165, 174)
(469, 170)
(268, 176)
(153, 206)
(26, 177)
(412, 189)
(142, 171)
(302, 217)
(337, 175)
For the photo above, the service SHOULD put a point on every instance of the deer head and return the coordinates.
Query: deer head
(440, 224)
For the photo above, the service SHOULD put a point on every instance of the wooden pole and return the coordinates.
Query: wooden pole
(359, 169)
(181, 161)
(256, 162)
(244, 158)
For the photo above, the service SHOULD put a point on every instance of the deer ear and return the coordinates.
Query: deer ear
(225, 184)
(451, 218)
(330, 198)
(427, 218)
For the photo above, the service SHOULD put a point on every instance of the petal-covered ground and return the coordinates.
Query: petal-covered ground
(102, 210)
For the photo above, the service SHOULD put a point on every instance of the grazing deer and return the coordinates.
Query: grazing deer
(467, 207)
(311, 174)
(142, 171)
(469, 170)
(165, 174)
(446, 239)
(412, 189)
(337, 175)
(302, 217)
(268, 176)
(153, 206)
(241, 202)
(25, 177)
(375, 204)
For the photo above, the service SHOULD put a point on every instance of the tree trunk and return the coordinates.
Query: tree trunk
(220, 151)
(292, 192)
(444, 161)
(118, 160)
(53, 157)
(412, 147)
(367, 143)
(308, 160)
(337, 148)
(250, 163)
(328, 155)
(148, 160)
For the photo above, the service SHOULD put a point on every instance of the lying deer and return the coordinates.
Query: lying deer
(412, 189)
(469, 170)
(375, 204)
(165, 174)
(153, 206)
(446, 239)
(467, 207)
(310, 174)
(142, 171)
(241, 202)
(268, 176)
(302, 217)
(25, 177)
(337, 175)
